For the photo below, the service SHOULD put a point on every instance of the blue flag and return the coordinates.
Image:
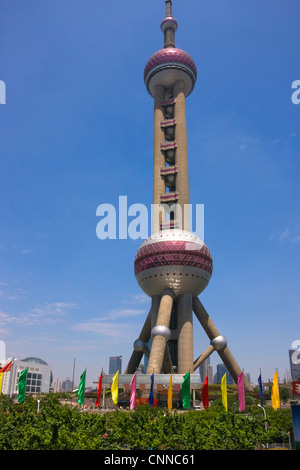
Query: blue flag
(151, 395)
(260, 390)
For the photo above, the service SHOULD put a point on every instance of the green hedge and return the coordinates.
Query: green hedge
(61, 427)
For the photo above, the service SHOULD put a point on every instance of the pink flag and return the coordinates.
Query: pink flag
(241, 391)
(132, 391)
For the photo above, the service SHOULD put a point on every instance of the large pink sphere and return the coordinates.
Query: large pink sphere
(176, 259)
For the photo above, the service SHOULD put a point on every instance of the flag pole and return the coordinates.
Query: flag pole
(73, 373)
(11, 381)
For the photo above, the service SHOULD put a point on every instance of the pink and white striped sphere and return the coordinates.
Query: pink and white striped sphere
(176, 259)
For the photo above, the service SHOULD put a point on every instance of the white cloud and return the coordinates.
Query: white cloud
(100, 327)
(122, 313)
(46, 313)
(290, 235)
(245, 142)
(137, 298)
(107, 325)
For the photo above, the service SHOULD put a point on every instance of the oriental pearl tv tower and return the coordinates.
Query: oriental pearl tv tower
(173, 266)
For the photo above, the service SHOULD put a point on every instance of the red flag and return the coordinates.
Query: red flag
(7, 367)
(205, 392)
(99, 390)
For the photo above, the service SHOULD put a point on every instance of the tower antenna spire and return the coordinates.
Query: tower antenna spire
(169, 26)
(168, 7)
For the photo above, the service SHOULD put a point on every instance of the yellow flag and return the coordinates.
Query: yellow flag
(115, 388)
(170, 394)
(1, 378)
(224, 391)
(275, 392)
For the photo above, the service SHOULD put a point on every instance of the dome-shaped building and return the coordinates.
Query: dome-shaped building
(39, 376)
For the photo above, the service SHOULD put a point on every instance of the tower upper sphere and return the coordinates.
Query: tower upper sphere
(170, 64)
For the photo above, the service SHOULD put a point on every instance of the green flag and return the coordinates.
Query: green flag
(186, 390)
(22, 385)
(81, 388)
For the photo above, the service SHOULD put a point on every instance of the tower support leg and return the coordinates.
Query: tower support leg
(203, 356)
(185, 334)
(167, 362)
(212, 332)
(160, 333)
(143, 339)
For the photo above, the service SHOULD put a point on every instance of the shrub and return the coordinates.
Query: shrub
(59, 426)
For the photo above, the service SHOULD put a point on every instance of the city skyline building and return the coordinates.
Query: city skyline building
(220, 371)
(67, 385)
(115, 363)
(210, 374)
(173, 266)
(2, 353)
(203, 368)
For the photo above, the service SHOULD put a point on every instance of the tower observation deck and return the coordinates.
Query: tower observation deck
(173, 266)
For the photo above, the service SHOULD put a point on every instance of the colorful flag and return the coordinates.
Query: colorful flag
(132, 391)
(7, 367)
(115, 388)
(241, 391)
(81, 388)
(22, 385)
(275, 392)
(186, 392)
(4, 369)
(151, 394)
(170, 394)
(99, 390)
(260, 390)
(204, 393)
(224, 391)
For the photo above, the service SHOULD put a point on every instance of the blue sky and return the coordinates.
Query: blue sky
(76, 132)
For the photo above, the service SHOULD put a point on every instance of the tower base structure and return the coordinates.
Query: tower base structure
(163, 349)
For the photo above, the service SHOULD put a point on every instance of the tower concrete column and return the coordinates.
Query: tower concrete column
(160, 333)
(167, 363)
(212, 332)
(143, 338)
(182, 180)
(158, 158)
(203, 356)
(185, 334)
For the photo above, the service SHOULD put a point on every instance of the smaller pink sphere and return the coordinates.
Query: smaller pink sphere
(167, 66)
